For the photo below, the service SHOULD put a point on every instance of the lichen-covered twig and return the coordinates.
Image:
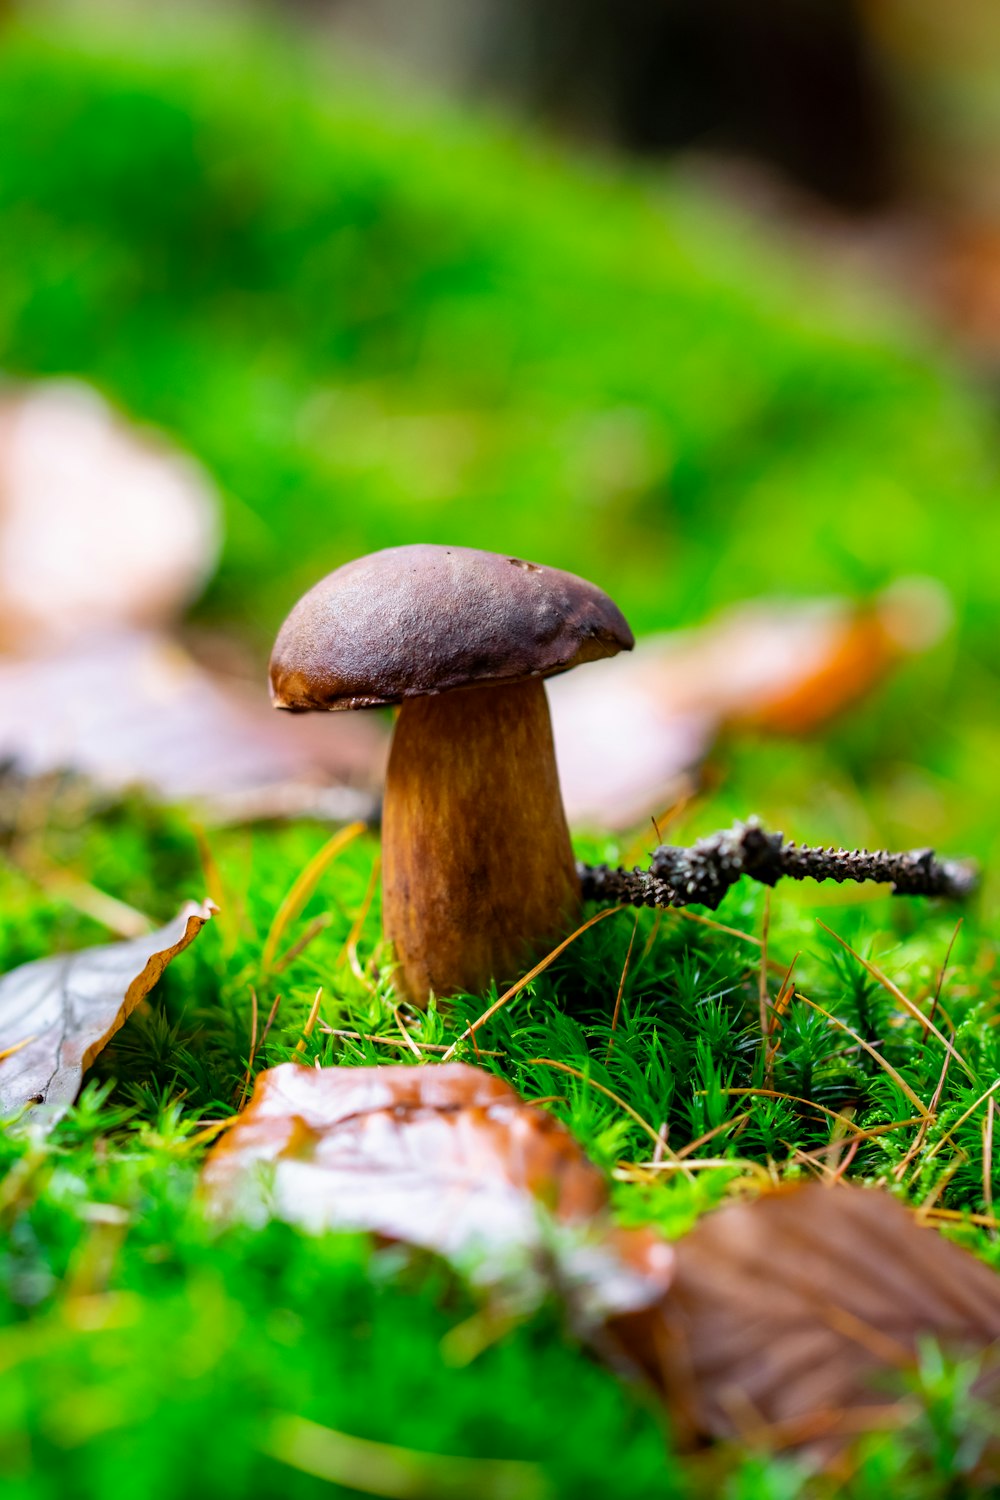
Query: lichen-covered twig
(702, 874)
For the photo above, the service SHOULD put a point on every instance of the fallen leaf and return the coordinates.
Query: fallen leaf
(779, 1322)
(133, 709)
(57, 1014)
(447, 1157)
(629, 732)
(788, 1314)
(100, 525)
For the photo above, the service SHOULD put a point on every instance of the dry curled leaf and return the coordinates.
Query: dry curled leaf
(628, 732)
(57, 1014)
(447, 1157)
(788, 1316)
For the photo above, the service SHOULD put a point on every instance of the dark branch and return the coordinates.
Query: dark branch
(702, 874)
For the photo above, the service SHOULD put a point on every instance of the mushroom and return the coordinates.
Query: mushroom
(478, 870)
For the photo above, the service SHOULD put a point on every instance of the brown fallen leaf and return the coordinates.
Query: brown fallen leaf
(447, 1157)
(629, 732)
(100, 524)
(57, 1014)
(787, 1316)
(779, 1321)
(132, 708)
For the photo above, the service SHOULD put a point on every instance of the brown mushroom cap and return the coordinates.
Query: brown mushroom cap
(412, 621)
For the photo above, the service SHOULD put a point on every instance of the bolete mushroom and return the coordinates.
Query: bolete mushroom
(478, 870)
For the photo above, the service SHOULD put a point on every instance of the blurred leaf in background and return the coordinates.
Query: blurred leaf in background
(376, 319)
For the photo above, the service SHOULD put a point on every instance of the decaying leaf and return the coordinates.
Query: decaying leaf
(447, 1157)
(788, 1314)
(56, 1014)
(780, 1321)
(629, 731)
(99, 525)
(132, 708)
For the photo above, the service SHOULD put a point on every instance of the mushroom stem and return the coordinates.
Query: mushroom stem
(478, 870)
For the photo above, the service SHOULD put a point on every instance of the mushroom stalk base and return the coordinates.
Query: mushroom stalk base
(478, 869)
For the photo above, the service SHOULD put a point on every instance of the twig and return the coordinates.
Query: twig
(704, 873)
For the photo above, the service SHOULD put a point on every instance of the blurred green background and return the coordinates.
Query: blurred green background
(378, 319)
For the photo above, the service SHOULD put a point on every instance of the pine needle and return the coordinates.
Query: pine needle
(515, 989)
(873, 1052)
(621, 990)
(988, 1157)
(549, 1062)
(904, 1000)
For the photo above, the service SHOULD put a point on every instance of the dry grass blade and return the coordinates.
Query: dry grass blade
(350, 948)
(117, 916)
(988, 1155)
(647, 1171)
(307, 1029)
(393, 1041)
(316, 926)
(873, 1052)
(961, 1120)
(253, 1049)
(655, 1135)
(772, 1038)
(942, 972)
(904, 1000)
(812, 1104)
(302, 888)
(218, 892)
(941, 1184)
(9, 1051)
(210, 1132)
(962, 1216)
(763, 997)
(270, 1019)
(899, 1172)
(515, 989)
(395, 1473)
(710, 1135)
(621, 990)
(774, 965)
(407, 1038)
(736, 932)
